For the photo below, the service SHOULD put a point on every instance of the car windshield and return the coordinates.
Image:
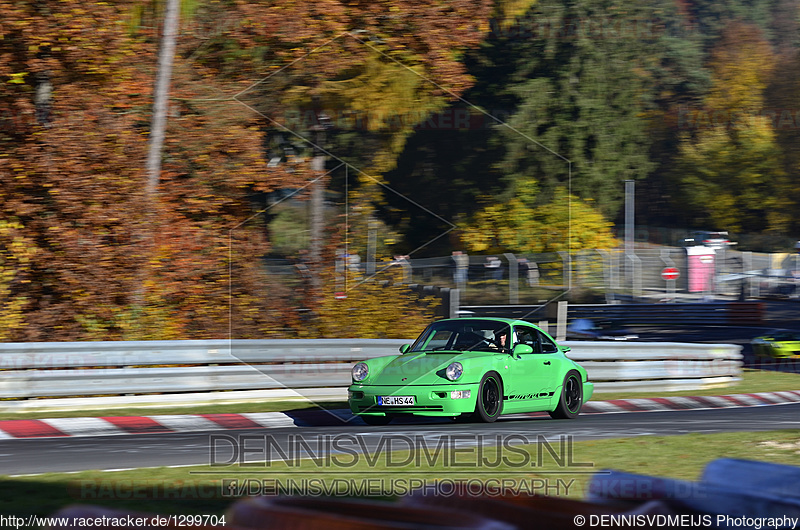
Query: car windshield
(464, 335)
(785, 336)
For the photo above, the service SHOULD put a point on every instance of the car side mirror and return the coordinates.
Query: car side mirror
(521, 349)
(404, 348)
(564, 349)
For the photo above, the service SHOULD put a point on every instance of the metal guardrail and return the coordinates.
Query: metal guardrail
(37, 370)
(665, 366)
(28, 355)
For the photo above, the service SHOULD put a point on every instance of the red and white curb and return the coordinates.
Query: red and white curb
(691, 403)
(104, 426)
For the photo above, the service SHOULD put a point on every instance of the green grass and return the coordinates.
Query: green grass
(191, 491)
(752, 381)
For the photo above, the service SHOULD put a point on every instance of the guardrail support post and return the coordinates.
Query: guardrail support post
(455, 302)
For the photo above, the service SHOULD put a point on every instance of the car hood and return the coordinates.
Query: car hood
(783, 343)
(422, 368)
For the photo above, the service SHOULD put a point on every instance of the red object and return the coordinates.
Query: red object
(670, 273)
(30, 429)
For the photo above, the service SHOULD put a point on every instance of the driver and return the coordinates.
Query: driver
(501, 339)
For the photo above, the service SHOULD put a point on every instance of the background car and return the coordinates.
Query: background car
(586, 329)
(715, 240)
(777, 343)
(471, 369)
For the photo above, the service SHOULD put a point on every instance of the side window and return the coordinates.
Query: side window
(548, 346)
(530, 337)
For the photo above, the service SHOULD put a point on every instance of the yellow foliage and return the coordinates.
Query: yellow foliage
(741, 64)
(731, 170)
(507, 11)
(516, 226)
(153, 320)
(15, 254)
(727, 172)
(382, 96)
(377, 307)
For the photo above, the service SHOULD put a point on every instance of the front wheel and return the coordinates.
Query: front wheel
(489, 404)
(571, 400)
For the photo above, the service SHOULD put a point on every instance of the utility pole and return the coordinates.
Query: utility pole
(629, 219)
(372, 242)
(317, 220)
(318, 200)
(630, 255)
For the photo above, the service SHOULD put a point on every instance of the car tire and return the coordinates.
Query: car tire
(489, 402)
(377, 420)
(571, 399)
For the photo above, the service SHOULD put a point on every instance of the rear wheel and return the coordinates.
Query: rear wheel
(571, 400)
(376, 420)
(489, 404)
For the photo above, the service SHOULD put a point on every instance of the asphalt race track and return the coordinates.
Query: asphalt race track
(42, 455)
(34, 456)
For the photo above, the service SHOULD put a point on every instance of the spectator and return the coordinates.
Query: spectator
(354, 264)
(404, 262)
(493, 270)
(460, 267)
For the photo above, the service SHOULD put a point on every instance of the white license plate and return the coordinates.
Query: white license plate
(393, 401)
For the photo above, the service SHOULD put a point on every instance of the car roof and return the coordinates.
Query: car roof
(713, 233)
(509, 321)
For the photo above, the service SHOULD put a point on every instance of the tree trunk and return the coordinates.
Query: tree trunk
(161, 96)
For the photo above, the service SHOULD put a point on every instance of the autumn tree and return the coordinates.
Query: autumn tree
(781, 98)
(66, 173)
(78, 82)
(579, 85)
(730, 168)
(560, 96)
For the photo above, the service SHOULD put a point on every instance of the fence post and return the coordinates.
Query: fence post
(608, 274)
(561, 323)
(670, 290)
(747, 265)
(513, 278)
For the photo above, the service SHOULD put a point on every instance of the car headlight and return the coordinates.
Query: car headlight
(454, 371)
(360, 371)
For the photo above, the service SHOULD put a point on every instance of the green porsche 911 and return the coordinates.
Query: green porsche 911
(471, 368)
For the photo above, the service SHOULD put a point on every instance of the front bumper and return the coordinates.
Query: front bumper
(429, 400)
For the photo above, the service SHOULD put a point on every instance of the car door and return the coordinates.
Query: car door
(531, 372)
(549, 363)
